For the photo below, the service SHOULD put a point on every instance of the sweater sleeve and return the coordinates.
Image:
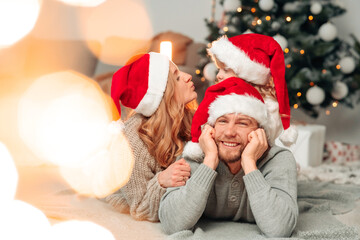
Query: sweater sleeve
(182, 207)
(141, 195)
(273, 195)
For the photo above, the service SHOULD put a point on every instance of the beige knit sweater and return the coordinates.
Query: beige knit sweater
(141, 195)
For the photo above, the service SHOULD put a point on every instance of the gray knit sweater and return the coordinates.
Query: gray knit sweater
(141, 195)
(267, 196)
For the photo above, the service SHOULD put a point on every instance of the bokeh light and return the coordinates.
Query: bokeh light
(105, 172)
(20, 220)
(17, 19)
(75, 230)
(8, 176)
(63, 118)
(130, 34)
(83, 3)
(67, 120)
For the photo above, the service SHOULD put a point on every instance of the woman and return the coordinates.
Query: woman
(161, 96)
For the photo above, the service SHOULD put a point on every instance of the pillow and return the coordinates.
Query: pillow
(179, 42)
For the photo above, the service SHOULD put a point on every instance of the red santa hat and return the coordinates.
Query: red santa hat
(232, 95)
(256, 58)
(141, 83)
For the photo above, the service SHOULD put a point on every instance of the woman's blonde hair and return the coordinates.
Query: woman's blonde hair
(165, 131)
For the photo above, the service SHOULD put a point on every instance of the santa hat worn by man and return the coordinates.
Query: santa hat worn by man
(141, 83)
(232, 95)
(256, 58)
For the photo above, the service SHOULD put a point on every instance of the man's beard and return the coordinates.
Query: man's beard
(232, 158)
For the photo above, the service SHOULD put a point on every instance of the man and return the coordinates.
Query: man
(235, 175)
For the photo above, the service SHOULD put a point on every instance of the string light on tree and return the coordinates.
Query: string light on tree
(328, 32)
(347, 65)
(340, 90)
(266, 5)
(315, 95)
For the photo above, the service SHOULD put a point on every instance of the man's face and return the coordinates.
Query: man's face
(231, 135)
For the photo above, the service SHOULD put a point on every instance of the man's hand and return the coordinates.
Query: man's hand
(175, 175)
(208, 145)
(257, 145)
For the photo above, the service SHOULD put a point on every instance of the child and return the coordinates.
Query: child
(259, 60)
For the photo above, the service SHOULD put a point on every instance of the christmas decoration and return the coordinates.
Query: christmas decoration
(340, 90)
(281, 40)
(210, 71)
(231, 5)
(314, 53)
(316, 8)
(347, 65)
(266, 5)
(328, 32)
(315, 95)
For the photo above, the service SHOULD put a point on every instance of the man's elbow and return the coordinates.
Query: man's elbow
(283, 230)
(169, 228)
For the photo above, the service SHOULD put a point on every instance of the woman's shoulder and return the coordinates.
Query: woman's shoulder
(131, 127)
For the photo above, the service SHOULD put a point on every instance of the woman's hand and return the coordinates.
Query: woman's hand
(257, 145)
(175, 175)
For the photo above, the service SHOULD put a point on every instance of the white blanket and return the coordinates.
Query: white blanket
(44, 188)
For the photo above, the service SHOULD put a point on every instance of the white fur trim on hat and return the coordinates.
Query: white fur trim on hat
(234, 103)
(158, 75)
(274, 124)
(239, 62)
(289, 136)
(193, 151)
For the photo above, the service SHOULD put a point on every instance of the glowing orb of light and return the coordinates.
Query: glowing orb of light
(132, 34)
(17, 18)
(75, 230)
(107, 171)
(20, 220)
(63, 118)
(83, 3)
(8, 176)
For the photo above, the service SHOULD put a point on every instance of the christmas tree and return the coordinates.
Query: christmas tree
(322, 70)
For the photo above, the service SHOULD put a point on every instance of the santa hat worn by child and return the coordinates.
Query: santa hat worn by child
(256, 58)
(232, 95)
(141, 83)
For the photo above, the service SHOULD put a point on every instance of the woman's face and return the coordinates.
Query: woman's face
(184, 87)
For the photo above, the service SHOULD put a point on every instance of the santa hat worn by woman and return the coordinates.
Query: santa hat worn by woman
(256, 58)
(141, 83)
(232, 95)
